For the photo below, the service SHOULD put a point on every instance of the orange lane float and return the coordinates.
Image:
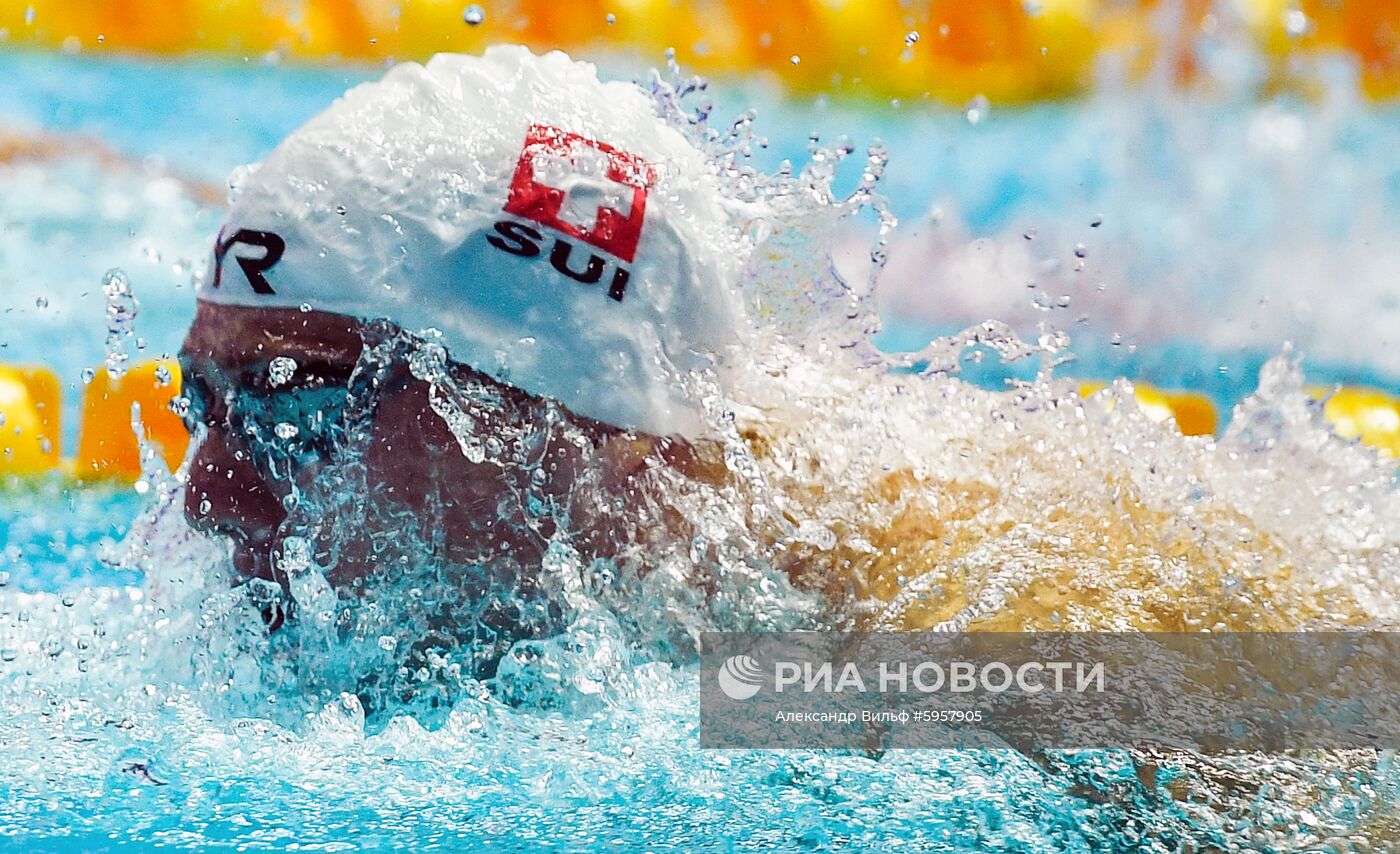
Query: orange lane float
(107, 446)
(1368, 32)
(1193, 413)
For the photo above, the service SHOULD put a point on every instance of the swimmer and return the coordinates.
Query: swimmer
(570, 276)
(570, 270)
(571, 273)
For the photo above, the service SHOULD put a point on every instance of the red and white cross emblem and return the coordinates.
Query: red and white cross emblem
(584, 188)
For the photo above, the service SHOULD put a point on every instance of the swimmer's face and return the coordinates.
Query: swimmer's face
(239, 479)
(229, 351)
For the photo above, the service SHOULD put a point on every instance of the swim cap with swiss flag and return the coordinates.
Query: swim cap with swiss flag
(560, 236)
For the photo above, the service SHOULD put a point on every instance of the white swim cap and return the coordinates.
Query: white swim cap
(560, 236)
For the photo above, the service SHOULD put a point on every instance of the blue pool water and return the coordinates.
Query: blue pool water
(1213, 231)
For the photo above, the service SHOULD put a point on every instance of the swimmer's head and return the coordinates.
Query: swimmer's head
(556, 237)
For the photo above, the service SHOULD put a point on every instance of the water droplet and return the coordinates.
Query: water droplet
(122, 309)
(1080, 250)
(1033, 7)
(1097, 221)
(429, 363)
(280, 370)
(205, 507)
(795, 59)
(1054, 341)
(1296, 23)
(87, 375)
(142, 487)
(1030, 234)
(238, 178)
(977, 109)
(286, 430)
(341, 209)
(29, 14)
(911, 38)
(388, 643)
(41, 303)
(295, 557)
(612, 19)
(305, 307)
(8, 654)
(473, 15)
(163, 376)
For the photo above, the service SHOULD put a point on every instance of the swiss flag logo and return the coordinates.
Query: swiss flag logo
(583, 188)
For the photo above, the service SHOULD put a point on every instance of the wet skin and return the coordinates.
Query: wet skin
(412, 457)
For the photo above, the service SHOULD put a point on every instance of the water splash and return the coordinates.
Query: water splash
(281, 370)
(790, 290)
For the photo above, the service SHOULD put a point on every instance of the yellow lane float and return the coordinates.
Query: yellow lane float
(30, 420)
(1365, 414)
(107, 446)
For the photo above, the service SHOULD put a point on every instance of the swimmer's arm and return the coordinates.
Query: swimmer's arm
(42, 147)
